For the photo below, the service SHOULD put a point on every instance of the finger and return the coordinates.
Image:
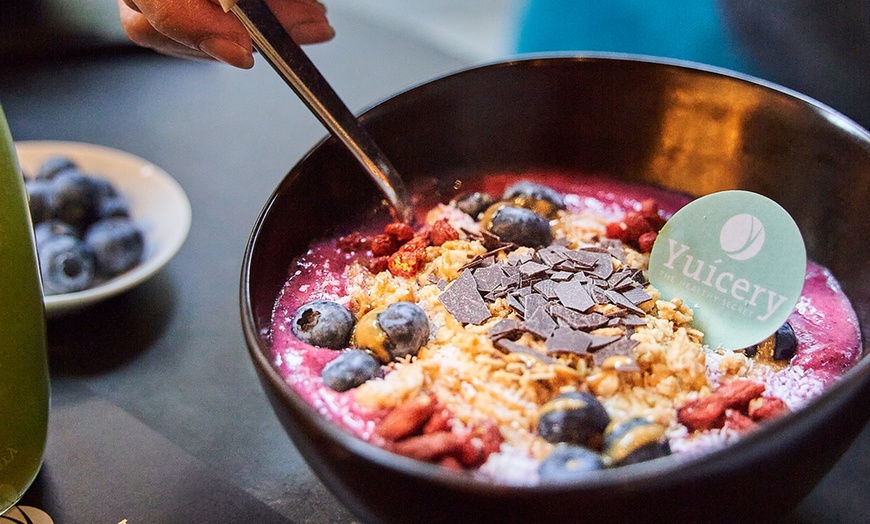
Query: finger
(142, 33)
(304, 20)
(199, 25)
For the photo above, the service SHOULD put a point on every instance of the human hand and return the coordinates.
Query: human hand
(201, 28)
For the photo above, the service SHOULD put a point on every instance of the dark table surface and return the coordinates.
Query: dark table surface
(157, 415)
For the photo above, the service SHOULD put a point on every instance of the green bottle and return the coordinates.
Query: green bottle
(24, 388)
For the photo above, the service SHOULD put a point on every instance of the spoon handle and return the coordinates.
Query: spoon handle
(294, 66)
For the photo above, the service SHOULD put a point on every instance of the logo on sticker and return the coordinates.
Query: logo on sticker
(743, 287)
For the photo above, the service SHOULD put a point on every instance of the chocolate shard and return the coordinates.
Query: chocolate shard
(581, 321)
(516, 304)
(598, 342)
(440, 283)
(567, 340)
(547, 288)
(532, 302)
(573, 295)
(507, 346)
(532, 269)
(463, 300)
(621, 348)
(561, 276)
(620, 300)
(539, 323)
(636, 295)
(633, 320)
(518, 259)
(604, 266)
(583, 257)
(489, 278)
(508, 328)
(550, 257)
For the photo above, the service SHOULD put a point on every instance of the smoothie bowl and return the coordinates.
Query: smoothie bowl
(505, 358)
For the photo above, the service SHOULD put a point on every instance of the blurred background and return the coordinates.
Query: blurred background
(818, 48)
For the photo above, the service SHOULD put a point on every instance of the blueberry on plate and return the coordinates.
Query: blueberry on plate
(323, 323)
(52, 228)
(41, 197)
(112, 206)
(117, 243)
(54, 165)
(568, 462)
(67, 264)
(635, 440)
(574, 418)
(76, 198)
(350, 369)
(519, 225)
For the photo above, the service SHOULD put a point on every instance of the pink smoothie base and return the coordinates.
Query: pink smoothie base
(824, 322)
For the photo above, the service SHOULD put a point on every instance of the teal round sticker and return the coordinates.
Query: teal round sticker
(737, 259)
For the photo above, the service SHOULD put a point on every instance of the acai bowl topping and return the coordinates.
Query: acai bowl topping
(514, 335)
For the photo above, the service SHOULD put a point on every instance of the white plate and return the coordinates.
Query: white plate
(157, 202)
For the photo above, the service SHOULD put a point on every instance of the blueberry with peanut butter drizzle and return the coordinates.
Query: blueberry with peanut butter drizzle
(393, 332)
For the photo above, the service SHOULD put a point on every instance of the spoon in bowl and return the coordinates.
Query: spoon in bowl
(293, 65)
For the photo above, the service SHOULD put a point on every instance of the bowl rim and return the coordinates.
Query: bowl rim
(667, 470)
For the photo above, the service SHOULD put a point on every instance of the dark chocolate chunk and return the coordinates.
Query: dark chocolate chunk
(532, 269)
(636, 294)
(582, 321)
(573, 295)
(585, 258)
(547, 288)
(506, 328)
(620, 348)
(507, 346)
(489, 278)
(539, 323)
(633, 320)
(620, 300)
(561, 276)
(550, 257)
(516, 304)
(567, 340)
(598, 342)
(439, 282)
(518, 259)
(533, 301)
(463, 301)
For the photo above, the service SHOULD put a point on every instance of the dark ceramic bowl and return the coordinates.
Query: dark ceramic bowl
(670, 125)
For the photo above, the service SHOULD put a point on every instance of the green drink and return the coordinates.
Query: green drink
(23, 362)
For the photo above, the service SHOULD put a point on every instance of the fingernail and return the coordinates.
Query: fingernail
(227, 51)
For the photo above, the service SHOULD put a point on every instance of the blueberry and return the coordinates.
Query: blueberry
(635, 440)
(536, 197)
(76, 198)
(567, 462)
(117, 243)
(474, 204)
(67, 264)
(519, 225)
(350, 369)
(41, 195)
(52, 228)
(574, 418)
(113, 206)
(393, 332)
(785, 343)
(406, 327)
(323, 323)
(52, 166)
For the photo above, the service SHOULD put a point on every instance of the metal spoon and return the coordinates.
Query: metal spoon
(293, 65)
